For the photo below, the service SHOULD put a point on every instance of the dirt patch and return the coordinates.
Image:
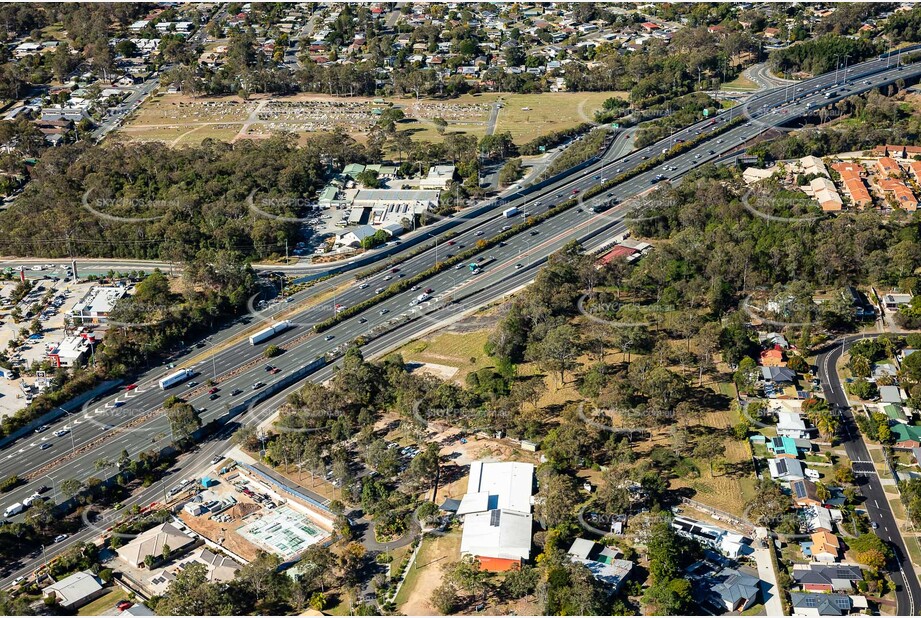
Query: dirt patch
(439, 371)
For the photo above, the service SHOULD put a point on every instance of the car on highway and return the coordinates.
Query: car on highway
(236, 392)
(596, 177)
(216, 459)
(384, 311)
(458, 267)
(192, 384)
(131, 387)
(60, 538)
(213, 396)
(328, 338)
(42, 489)
(258, 385)
(19, 580)
(574, 192)
(506, 228)
(378, 290)
(45, 446)
(480, 233)
(414, 288)
(517, 266)
(362, 320)
(43, 428)
(363, 286)
(874, 525)
(429, 290)
(388, 278)
(61, 432)
(213, 390)
(534, 232)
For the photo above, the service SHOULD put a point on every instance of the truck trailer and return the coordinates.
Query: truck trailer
(268, 333)
(172, 380)
(511, 212)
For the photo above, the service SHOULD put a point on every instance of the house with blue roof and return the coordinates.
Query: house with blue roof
(783, 446)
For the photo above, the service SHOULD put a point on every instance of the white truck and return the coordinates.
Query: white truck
(173, 379)
(511, 212)
(14, 509)
(422, 297)
(268, 333)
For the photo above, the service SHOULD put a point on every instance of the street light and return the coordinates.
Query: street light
(54, 491)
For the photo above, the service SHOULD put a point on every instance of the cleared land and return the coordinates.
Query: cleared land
(104, 605)
(426, 573)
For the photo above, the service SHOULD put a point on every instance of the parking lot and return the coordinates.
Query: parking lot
(48, 302)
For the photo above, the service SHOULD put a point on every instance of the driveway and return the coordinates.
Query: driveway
(770, 593)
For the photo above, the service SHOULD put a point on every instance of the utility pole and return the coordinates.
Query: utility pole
(286, 250)
(846, 56)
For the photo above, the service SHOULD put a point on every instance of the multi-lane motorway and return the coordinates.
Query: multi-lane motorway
(114, 423)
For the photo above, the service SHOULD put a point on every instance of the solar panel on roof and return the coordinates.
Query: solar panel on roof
(494, 518)
(811, 601)
(841, 602)
(799, 489)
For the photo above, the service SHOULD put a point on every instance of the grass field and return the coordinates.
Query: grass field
(548, 112)
(104, 604)
(740, 83)
(727, 489)
(453, 349)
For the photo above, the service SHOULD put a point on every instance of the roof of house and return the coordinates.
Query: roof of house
(823, 540)
(790, 420)
(75, 588)
(602, 561)
(890, 394)
(906, 433)
(825, 574)
(824, 604)
(786, 468)
(804, 489)
(782, 445)
(778, 374)
(735, 586)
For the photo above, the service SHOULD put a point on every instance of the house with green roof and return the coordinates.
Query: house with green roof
(906, 436)
(895, 413)
(783, 446)
(353, 170)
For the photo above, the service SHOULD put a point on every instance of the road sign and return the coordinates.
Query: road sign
(706, 112)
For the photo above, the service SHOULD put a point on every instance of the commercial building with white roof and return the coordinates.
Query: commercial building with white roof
(497, 514)
(97, 304)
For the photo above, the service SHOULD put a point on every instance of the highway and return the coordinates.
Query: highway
(908, 590)
(26, 457)
(240, 366)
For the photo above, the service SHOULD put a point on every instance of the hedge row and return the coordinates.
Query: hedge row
(482, 245)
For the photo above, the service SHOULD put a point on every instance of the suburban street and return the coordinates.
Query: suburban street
(877, 501)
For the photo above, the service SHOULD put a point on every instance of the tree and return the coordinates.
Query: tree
(556, 498)
(184, 421)
(444, 598)
(557, 351)
(769, 505)
(709, 446)
(870, 550)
